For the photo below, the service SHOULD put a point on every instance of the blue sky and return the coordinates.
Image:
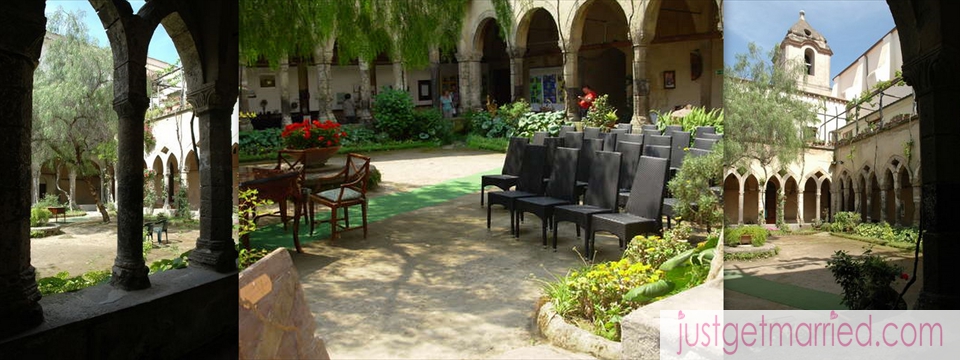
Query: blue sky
(850, 27)
(161, 47)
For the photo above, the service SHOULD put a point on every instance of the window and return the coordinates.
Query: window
(808, 60)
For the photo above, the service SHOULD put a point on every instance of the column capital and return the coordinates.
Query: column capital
(129, 105)
(208, 97)
(935, 69)
(469, 57)
(516, 52)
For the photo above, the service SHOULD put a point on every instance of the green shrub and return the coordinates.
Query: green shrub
(482, 143)
(866, 281)
(373, 181)
(486, 125)
(49, 200)
(39, 216)
(394, 114)
(601, 114)
(757, 233)
(534, 122)
(691, 186)
(358, 134)
(511, 113)
(430, 125)
(62, 282)
(246, 257)
(256, 142)
(845, 221)
(653, 250)
(679, 232)
(698, 116)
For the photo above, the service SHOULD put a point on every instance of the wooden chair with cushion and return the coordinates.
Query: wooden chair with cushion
(353, 191)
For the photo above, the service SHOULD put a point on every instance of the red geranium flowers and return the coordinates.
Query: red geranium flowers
(315, 134)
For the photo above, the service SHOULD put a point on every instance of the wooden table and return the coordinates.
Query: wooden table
(278, 187)
(57, 212)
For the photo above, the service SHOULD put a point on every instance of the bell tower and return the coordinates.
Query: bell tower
(806, 45)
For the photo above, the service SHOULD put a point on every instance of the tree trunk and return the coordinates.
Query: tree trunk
(96, 196)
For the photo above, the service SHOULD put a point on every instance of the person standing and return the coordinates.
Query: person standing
(349, 110)
(586, 101)
(446, 104)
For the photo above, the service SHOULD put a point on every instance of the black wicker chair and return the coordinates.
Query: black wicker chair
(704, 144)
(628, 168)
(600, 198)
(565, 129)
(711, 136)
(530, 183)
(681, 140)
(672, 128)
(628, 127)
(643, 210)
(573, 140)
(591, 133)
(653, 131)
(538, 137)
(649, 127)
(590, 147)
(611, 138)
(633, 138)
(704, 130)
(560, 191)
(511, 168)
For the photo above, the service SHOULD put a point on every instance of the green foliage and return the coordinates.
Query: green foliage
(698, 116)
(360, 135)
(691, 186)
(845, 221)
(49, 200)
(757, 233)
(483, 143)
(266, 141)
(248, 257)
(62, 282)
(373, 181)
(601, 114)
(679, 232)
(866, 281)
(511, 113)
(178, 262)
(550, 122)
(432, 126)
(245, 214)
(483, 124)
(394, 114)
(653, 250)
(887, 233)
(764, 111)
(181, 200)
(745, 256)
(39, 216)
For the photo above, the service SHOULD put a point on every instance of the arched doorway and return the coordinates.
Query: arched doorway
(770, 203)
(906, 199)
(172, 180)
(890, 207)
(731, 200)
(810, 200)
(875, 205)
(603, 52)
(542, 76)
(192, 166)
(862, 200)
(791, 201)
(494, 65)
(751, 200)
(825, 201)
(157, 183)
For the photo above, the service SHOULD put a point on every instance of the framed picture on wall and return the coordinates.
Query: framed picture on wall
(267, 81)
(424, 87)
(669, 79)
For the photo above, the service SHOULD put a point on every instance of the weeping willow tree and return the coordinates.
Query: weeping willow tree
(74, 122)
(277, 29)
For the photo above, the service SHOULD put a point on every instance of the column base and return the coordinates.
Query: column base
(931, 301)
(639, 120)
(24, 312)
(209, 255)
(130, 276)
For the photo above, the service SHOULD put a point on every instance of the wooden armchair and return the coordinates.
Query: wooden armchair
(353, 191)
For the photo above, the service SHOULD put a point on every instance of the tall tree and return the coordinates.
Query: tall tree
(764, 115)
(73, 97)
(274, 29)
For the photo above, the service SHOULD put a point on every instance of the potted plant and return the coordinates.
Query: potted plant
(313, 142)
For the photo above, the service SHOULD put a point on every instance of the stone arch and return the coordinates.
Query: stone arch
(907, 207)
(809, 195)
(480, 23)
(818, 174)
(791, 201)
(751, 198)
(172, 179)
(157, 182)
(771, 190)
(522, 33)
(537, 47)
(602, 31)
(191, 166)
(731, 203)
(490, 48)
(826, 197)
(809, 60)
(895, 163)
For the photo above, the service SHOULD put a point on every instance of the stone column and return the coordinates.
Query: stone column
(916, 205)
(898, 203)
(23, 31)
(740, 208)
(857, 205)
(817, 210)
(761, 211)
(706, 77)
(845, 199)
(215, 247)
(35, 183)
(799, 207)
(641, 86)
(517, 79)
(167, 186)
(283, 83)
(883, 205)
(470, 83)
(129, 269)
(399, 76)
(72, 175)
(325, 98)
(364, 100)
(571, 81)
(868, 211)
(435, 90)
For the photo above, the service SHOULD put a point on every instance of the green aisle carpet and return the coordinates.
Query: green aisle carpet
(790, 295)
(379, 208)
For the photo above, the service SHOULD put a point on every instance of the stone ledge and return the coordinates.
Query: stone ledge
(184, 310)
(641, 328)
(571, 337)
(767, 250)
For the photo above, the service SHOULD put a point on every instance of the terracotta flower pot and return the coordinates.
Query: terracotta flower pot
(746, 239)
(312, 157)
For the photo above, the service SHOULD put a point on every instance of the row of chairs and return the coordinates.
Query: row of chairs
(606, 179)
